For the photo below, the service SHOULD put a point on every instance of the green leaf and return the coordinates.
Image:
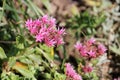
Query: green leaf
(20, 42)
(115, 49)
(59, 76)
(47, 76)
(44, 54)
(36, 58)
(14, 77)
(11, 62)
(48, 50)
(41, 68)
(24, 71)
(2, 53)
(9, 8)
(34, 8)
(45, 48)
(25, 60)
(47, 4)
(29, 50)
(2, 10)
(4, 76)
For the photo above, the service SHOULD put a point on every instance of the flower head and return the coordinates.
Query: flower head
(71, 73)
(44, 30)
(89, 49)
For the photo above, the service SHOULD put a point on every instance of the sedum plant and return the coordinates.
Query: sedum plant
(34, 61)
(30, 53)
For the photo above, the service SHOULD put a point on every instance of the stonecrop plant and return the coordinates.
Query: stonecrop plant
(88, 50)
(45, 31)
(44, 40)
(35, 63)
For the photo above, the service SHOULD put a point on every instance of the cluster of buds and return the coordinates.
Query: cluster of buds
(71, 73)
(44, 30)
(89, 49)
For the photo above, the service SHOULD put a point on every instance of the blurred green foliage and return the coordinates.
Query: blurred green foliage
(85, 22)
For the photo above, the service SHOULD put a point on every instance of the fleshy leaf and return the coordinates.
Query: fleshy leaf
(2, 53)
(21, 68)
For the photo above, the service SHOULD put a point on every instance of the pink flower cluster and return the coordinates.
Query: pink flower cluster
(44, 30)
(71, 73)
(90, 49)
(117, 78)
(87, 69)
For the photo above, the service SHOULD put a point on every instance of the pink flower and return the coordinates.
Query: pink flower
(91, 41)
(51, 42)
(52, 22)
(44, 19)
(60, 41)
(39, 38)
(71, 73)
(101, 49)
(83, 51)
(78, 46)
(42, 33)
(29, 23)
(33, 30)
(117, 78)
(44, 30)
(61, 31)
(37, 22)
(92, 53)
(77, 77)
(89, 49)
(87, 69)
(69, 70)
